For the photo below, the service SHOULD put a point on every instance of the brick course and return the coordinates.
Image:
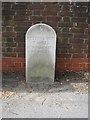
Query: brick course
(70, 22)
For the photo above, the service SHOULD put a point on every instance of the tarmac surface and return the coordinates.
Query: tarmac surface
(49, 102)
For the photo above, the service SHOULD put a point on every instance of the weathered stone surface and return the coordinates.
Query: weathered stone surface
(40, 53)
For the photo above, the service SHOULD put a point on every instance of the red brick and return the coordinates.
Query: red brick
(53, 18)
(6, 69)
(20, 17)
(65, 24)
(16, 59)
(63, 51)
(23, 65)
(82, 4)
(80, 36)
(1, 49)
(80, 9)
(17, 69)
(62, 41)
(78, 55)
(79, 46)
(87, 51)
(79, 60)
(14, 64)
(87, 31)
(75, 51)
(81, 14)
(68, 65)
(88, 55)
(64, 55)
(4, 64)
(75, 65)
(6, 6)
(8, 12)
(66, 35)
(20, 28)
(66, 19)
(80, 19)
(88, 66)
(6, 60)
(21, 54)
(65, 8)
(9, 54)
(23, 12)
(25, 24)
(18, 65)
(49, 13)
(77, 69)
(77, 41)
(36, 6)
(82, 25)
(9, 49)
(19, 6)
(82, 65)
(88, 46)
(64, 3)
(59, 68)
(63, 60)
(52, 23)
(52, 7)
(65, 30)
(76, 30)
(9, 28)
(65, 13)
(37, 12)
(8, 34)
(61, 64)
(9, 39)
(19, 39)
(8, 44)
(88, 60)
(19, 49)
(21, 44)
(36, 18)
(64, 46)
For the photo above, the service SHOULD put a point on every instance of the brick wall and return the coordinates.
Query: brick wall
(70, 22)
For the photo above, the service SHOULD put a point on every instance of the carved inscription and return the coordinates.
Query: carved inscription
(43, 44)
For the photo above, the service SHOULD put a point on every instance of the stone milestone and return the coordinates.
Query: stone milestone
(40, 53)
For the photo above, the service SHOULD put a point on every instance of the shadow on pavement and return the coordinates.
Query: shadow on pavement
(62, 83)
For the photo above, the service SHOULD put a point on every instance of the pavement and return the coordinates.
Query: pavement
(52, 101)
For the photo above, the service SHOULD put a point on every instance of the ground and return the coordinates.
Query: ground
(65, 98)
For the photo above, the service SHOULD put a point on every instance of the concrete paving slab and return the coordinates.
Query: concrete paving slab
(46, 105)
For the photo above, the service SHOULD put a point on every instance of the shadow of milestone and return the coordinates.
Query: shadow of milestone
(63, 83)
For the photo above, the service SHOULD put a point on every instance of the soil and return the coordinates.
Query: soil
(66, 81)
